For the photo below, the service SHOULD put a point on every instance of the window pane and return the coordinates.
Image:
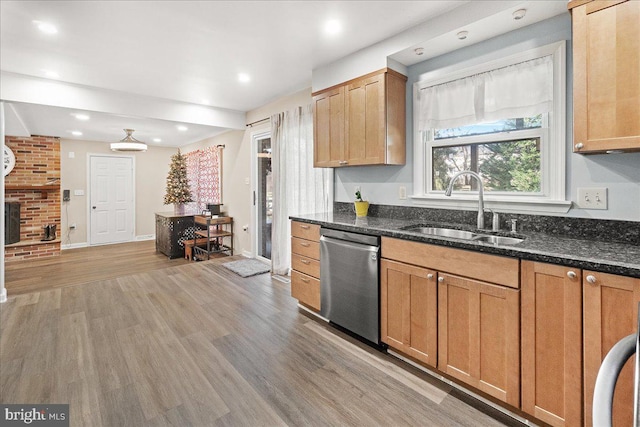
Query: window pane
(490, 127)
(512, 166)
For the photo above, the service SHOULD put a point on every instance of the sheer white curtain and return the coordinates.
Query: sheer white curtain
(520, 90)
(299, 188)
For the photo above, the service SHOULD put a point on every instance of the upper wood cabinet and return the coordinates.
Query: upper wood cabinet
(606, 75)
(551, 336)
(610, 314)
(361, 122)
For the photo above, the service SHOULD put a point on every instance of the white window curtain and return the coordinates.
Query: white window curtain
(520, 90)
(299, 188)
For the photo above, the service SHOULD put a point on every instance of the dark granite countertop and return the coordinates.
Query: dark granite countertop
(607, 257)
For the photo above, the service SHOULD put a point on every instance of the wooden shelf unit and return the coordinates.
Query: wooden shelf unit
(215, 230)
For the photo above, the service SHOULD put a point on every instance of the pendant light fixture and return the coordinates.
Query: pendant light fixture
(128, 143)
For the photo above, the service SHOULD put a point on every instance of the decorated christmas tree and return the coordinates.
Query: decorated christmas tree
(178, 191)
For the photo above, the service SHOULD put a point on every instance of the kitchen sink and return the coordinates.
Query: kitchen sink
(465, 235)
(444, 232)
(498, 240)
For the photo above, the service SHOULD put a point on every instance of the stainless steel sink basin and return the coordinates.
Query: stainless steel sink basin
(465, 235)
(444, 232)
(498, 240)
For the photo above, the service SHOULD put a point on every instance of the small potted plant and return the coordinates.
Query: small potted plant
(362, 206)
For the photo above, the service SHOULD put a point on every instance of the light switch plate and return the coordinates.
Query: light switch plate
(78, 192)
(592, 198)
(402, 192)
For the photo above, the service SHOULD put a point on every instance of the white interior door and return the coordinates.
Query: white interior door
(111, 198)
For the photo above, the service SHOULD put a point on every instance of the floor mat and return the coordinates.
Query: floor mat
(247, 267)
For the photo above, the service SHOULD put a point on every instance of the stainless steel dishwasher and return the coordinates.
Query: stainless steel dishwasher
(349, 282)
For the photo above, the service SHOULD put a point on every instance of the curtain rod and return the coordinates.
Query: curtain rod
(258, 121)
(220, 146)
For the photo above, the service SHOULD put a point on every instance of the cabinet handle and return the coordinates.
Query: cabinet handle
(440, 279)
(579, 146)
(305, 227)
(571, 274)
(306, 245)
(591, 279)
(304, 261)
(343, 162)
(304, 280)
(429, 276)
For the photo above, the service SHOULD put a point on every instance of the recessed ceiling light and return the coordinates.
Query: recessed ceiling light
(244, 77)
(182, 128)
(419, 51)
(82, 116)
(46, 27)
(462, 35)
(332, 27)
(519, 14)
(51, 74)
(76, 133)
(157, 140)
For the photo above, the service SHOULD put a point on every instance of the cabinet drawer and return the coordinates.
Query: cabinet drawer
(305, 231)
(489, 268)
(305, 248)
(305, 265)
(305, 289)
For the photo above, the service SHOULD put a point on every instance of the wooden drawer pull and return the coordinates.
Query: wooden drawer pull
(305, 227)
(306, 245)
(304, 261)
(304, 280)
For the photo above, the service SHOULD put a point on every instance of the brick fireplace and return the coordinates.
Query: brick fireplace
(30, 184)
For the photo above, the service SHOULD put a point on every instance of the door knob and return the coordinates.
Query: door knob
(591, 279)
(93, 207)
(440, 279)
(429, 276)
(571, 274)
(579, 146)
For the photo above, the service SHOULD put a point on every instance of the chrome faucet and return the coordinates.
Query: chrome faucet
(480, 194)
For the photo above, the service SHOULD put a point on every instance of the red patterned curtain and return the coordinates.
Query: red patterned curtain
(204, 171)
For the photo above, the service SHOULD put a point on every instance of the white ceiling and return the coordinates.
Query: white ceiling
(187, 52)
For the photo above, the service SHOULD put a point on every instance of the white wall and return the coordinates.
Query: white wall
(151, 168)
(620, 173)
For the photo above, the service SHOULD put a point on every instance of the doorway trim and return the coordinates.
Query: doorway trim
(255, 137)
(133, 194)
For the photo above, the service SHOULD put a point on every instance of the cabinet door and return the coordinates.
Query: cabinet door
(610, 314)
(328, 128)
(606, 76)
(365, 124)
(408, 304)
(552, 343)
(479, 335)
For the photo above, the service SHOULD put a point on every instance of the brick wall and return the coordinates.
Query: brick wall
(37, 161)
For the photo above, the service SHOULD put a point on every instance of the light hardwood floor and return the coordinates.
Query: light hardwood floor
(196, 345)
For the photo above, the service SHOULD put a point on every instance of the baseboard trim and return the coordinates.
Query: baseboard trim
(74, 246)
(247, 254)
(143, 237)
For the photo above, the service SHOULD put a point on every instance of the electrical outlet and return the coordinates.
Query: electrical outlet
(402, 192)
(592, 198)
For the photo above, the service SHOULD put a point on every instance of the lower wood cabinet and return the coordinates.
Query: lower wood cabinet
(552, 343)
(305, 264)
(479, 335)
(610, 314)
(408, 310)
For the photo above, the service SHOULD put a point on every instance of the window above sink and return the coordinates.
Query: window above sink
(466, 120)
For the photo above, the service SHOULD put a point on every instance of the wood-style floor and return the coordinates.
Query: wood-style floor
(196, 345)
(84, 265)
